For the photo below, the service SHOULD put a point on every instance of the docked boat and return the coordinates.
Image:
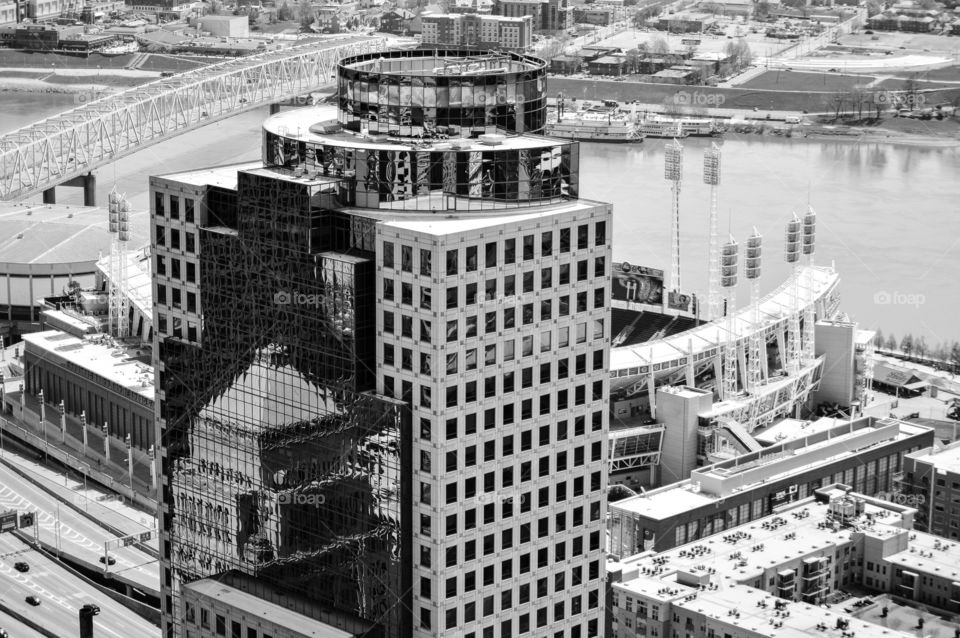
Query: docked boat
(661, 126)
(590, 126)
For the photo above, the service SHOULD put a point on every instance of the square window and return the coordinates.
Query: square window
(471, 258)
(426, 262)
(490, 256)
(600, 233)
(546, 244)
(582, 236)
(388, 258)
(452, 256)
(527, 247)
(546, 278)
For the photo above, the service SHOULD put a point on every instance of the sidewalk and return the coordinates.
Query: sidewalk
(100, 506)
(23, 424)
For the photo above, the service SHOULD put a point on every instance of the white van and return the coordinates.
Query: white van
(792, 119)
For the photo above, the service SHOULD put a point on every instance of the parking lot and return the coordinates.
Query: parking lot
(760, 45)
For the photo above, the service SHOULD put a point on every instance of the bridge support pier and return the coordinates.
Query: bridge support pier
(274, 109)
(89, 184)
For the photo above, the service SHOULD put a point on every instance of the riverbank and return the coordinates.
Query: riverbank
(86, 81)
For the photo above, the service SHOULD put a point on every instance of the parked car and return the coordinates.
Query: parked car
(21, 566)
(33, 600)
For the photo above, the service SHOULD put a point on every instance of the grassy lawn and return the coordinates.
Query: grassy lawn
(801, 81)
(736, 98)
(733, 98)
(28, 75)
(167, 63)
(949, 74)
(119, 81)
(897, 85)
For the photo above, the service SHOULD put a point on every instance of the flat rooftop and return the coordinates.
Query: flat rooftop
(711, 576)
(756, 612)
(930, 554)
(725, 562)
(712, 483)
(224, 176)
(38, 234)
(308, 124)
(276, 614)
(946, 458)
(100, 355)
(790, 429)
(446, 222)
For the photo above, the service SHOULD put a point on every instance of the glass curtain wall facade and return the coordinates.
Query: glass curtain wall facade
(397, 416)
(279, 460)
(482, 178)
(451, 92)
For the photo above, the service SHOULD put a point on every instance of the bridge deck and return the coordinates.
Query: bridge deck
(76, 142)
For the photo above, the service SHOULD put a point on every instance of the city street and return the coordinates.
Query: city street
(77, 537)
(61, 596)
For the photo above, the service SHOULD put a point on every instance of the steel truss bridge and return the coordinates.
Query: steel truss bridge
(72, 144)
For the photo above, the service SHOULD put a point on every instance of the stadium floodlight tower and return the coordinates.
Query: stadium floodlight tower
(809, 314)
(119, 217)
(673, 172)
(792, 256)
(757, 340)
(711, 177)
(729, 261)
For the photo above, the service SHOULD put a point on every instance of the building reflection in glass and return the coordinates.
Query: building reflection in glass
(281, 462)
(450, 92)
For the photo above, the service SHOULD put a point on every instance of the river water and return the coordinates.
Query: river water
(888, 215)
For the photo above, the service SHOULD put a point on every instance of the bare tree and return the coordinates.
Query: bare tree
(659, 45)
(305, 13)
(906, 345)
(891, 343)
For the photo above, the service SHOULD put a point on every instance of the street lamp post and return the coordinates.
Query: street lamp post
(43, 425)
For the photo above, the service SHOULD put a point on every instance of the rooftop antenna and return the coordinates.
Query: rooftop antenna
(673, 172)
(756, 355)
(729, 261)
(711, 177)
(792, 256)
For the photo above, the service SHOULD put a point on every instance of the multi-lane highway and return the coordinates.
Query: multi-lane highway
(16, 629)
(61, 596)
(77, 537)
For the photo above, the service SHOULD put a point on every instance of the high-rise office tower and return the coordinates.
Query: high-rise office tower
(382, 358)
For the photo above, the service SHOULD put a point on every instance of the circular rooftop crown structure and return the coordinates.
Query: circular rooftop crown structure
(447, 92)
